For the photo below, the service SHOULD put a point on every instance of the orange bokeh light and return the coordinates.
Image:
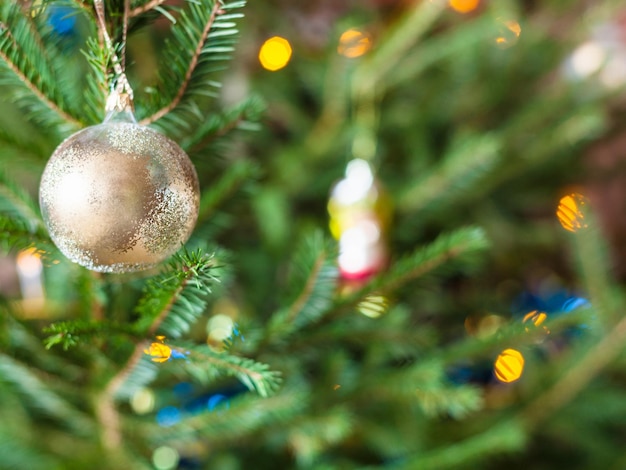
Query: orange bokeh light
(570, 212)
(354, 43)
(464, 6)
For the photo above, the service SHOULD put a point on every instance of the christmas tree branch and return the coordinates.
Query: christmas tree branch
(28, 83)
(34, 32)
(176, 298)
(608, 304)
(507, 436)
(459, 246)
(192, 66)
(307, 290)
(229, 183)
(577, 376)
(205, 364)
(248, 416)
(16, 201)
(164, 297)
(144, 8)
(106, 410)
(313, 285)
(156, 323)
(399, 40)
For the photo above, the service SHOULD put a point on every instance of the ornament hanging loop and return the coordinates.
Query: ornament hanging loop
(120, 99)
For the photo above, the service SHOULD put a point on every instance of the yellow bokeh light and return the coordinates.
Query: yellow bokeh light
(570, 212)
(509, 33)
(220, 327)
(536, 318)
(509, 365)
(354, 43)
(464, 6)
(275, 53)
(484, 326)
(159, 352)
(165, 458)
(143, 401)
(373, 306)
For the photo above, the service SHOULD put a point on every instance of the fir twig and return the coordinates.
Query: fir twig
(29, 84)
(188, 273)
(70, 333)
(508, 436)
(16, 202)
(140, 10)
(307, 290)
(459, 246)
(203, 364)
(177, 297)
(250, 414)
(314, 281)
(192, 66)
(39, 396)
(106, 411)
(577, 376)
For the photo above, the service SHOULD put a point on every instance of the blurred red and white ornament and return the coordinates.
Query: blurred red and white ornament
(359, 218)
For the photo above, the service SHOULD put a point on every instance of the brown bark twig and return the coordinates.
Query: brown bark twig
(144, 8)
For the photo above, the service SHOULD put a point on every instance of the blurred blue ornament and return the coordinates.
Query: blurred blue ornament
(178, 355)
(190, 463)
(237, 333)
(550, 303)
(62, 19)
(477, 374)
(168, 416)
(215, 400)
(573, 303)
(183, 389)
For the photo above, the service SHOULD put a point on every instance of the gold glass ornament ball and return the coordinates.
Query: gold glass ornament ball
(119, 197)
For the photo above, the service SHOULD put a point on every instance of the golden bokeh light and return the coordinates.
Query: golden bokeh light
(509, 365)
(537, 318)
(354, 43)
(373, 306)
(220, 327)
(484, 326)
(165, 458)
(509, 33)
(570, 212)
(159, 352)
(143, 401)
(464, 6)
(275, 53)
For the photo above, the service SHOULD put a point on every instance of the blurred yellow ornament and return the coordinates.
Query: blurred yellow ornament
(354, 43)
(570, 212)
(509, 365)
(463, 6)
(275, 53)
(159, 352)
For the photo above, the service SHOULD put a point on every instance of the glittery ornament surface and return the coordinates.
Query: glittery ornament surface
(119, 197)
